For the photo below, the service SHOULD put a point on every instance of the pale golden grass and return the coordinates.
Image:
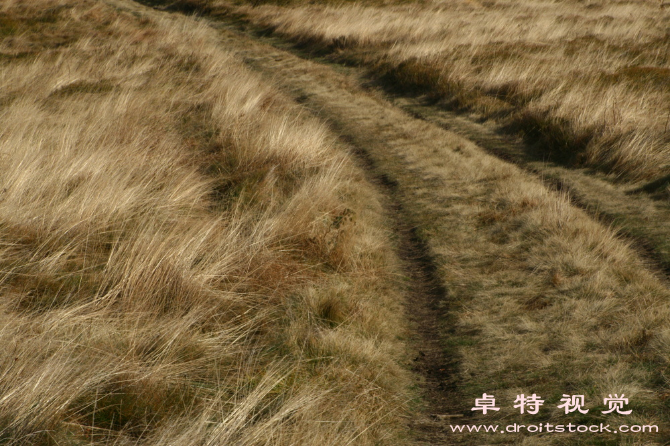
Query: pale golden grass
(185, 259)
(589, 79)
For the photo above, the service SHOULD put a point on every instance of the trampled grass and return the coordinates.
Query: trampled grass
(184, 256)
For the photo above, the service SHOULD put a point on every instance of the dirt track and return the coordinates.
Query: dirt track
(380, 135)
(383, 138)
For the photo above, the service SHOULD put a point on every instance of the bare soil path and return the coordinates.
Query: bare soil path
(417, 153)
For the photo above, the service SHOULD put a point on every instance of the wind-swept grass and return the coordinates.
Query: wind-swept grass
(184, 257)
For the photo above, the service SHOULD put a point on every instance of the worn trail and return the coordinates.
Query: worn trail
(383, 139)
(397, 152)
(441, 189)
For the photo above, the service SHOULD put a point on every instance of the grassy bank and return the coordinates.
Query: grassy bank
(186, 259)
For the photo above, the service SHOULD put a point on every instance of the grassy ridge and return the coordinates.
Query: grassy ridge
(185, 258)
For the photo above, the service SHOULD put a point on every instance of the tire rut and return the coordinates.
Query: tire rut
(427, 310)
(638, 218)
(427, 299)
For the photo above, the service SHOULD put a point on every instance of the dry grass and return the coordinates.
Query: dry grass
(588, 80)
(550, 301)
(542, 298)
(185, 259)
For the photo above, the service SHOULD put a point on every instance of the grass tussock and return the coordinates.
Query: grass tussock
(587, 80)
(184, 258)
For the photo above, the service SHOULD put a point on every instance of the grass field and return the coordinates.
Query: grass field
(185, 258)
(191, 252)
